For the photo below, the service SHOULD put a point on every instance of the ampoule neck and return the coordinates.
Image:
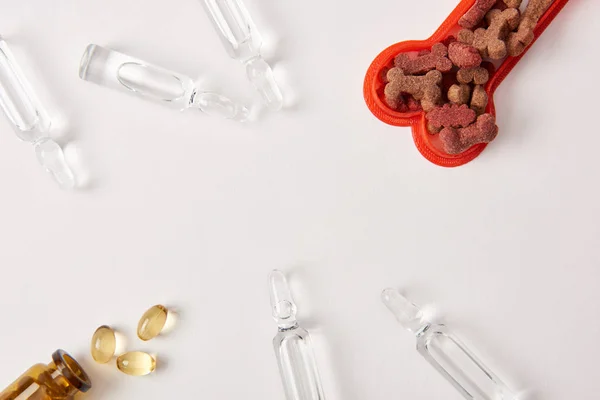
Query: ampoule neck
(423, 329)
(287, 328)
(218, 105)
(33, 136)
(248, 51)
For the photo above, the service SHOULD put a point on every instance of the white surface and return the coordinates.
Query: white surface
(193, 211)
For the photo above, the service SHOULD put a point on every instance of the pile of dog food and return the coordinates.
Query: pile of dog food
(446, 82)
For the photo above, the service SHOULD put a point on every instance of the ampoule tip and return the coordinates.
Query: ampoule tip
(408, 314)
(282, 303)
(52, 158)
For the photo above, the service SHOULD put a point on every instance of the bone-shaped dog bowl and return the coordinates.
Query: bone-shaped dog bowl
(428, 144)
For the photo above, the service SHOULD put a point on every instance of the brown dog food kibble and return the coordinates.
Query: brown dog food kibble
(455, 141)
(479, 99)
(407, 103)
(432, 129)
(425, 88)
(465, 36)
(459, 94)
(476, 13)
(491, 41)
(413, 104)
(519, 40)
(477, 75)
(513, 3)
(464, 55)
(451, 116)
(423, 62)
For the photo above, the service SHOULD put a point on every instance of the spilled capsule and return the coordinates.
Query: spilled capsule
(136, 363)
(104, 344)
(152, 322)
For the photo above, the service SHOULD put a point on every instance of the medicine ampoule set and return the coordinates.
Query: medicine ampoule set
(293, 351)
(478, 45)
(241, 40)
(104, 66)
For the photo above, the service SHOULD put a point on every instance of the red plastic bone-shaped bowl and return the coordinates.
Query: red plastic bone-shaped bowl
(427, 144)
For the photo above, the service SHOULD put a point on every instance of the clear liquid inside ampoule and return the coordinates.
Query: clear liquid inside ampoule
(150, 81)
(459, 366)
(297, 365)
(120, 71)
(17, 100)
(234, 26)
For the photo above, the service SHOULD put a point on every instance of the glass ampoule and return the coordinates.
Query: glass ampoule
(242, 41)
(62, 379)
(29, 118)
(446, 353)
(293, 345)
(113, 69)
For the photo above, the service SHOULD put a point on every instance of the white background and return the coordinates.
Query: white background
(193, 212)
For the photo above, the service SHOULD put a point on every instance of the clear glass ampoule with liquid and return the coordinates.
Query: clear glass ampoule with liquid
(242, 41)
(62, 379)
(29, 118)
(446, 353)
(293, 346)
(113, 69)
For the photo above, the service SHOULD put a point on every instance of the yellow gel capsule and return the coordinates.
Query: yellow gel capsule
(104, 344)
(136, 363)
(152, 322)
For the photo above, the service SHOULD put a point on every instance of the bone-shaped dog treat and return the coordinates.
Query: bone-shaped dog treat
(476, 13)
(479, 99)
(423, 88)
(423, 62)
(490, 42)
(477, 75)
(459, 94)
(519, 40)
(464, 55)
(455, 141)
(494, 38)
(451, 116)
